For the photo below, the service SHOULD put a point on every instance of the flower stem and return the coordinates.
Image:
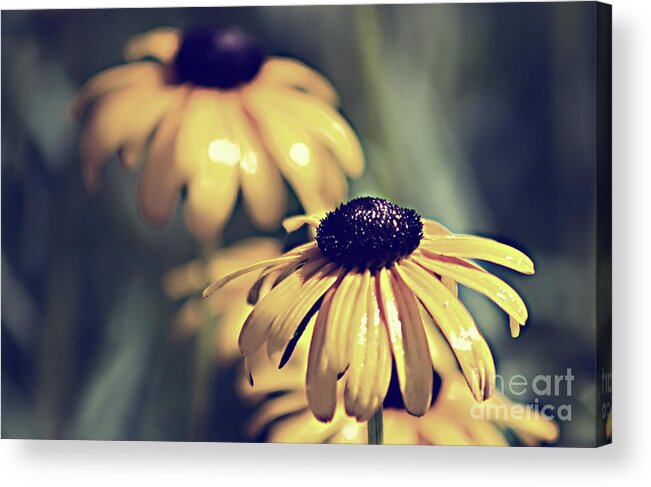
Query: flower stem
(376, 428)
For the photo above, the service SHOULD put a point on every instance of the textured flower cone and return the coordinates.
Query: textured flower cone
(213, 114)
(453, 418)
(228, 307)
(361, 286)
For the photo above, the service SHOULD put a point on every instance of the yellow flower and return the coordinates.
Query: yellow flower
(229, 306)
(373, 265)
(212, 113)
(454, 417)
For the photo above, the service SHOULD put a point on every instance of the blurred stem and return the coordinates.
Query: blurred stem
(204, 362)
(376, 428)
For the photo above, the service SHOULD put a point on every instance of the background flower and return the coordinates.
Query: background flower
(214, 114)
(454, 418)
(227, 308)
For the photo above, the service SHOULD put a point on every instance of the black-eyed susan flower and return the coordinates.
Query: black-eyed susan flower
(453, 418)
(372, 265)
(210, 112)
(228, 307)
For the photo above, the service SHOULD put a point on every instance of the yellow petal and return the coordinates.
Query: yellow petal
(293, 223)
(291, 147)
(287, 258)
(142, 74)
(408, 342)
(326, 124)
(285, 72)
(514, 325)
(370, 367)
(491, 286)
(318, 277)
(480, 248)
(263, 189)
(457, 325)
(119, 117)
(208, 156)
(431, 228)
(443, 359)
(162, 43)
(132, 151)
(334, 185)
(255, 331)
(347, 311)
(161, 179)
(451, 284)
(321, 380)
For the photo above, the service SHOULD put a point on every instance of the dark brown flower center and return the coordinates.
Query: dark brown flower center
(218, 57)
(369, 233)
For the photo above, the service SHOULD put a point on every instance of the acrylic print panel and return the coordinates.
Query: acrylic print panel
(344, 224)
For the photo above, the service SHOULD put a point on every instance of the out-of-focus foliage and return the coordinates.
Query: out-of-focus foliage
(480, 116)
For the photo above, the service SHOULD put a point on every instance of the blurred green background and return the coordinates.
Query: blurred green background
(479, 116)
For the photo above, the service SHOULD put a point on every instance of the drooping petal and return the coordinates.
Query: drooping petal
(457, 325)
(515, 325)
(288, 323)
(334, 186)
(207, 154)
(321, 380)
(114, 122)
(483, 282)
(290, 146)
(161, 43)
(326, 124)
(408, 342)
(142, 74)
(370, 366)
(348, 309)
(160, 179)
(256, 329)
(471, 247)
(284, 259)
(262, 186)
(285, 72)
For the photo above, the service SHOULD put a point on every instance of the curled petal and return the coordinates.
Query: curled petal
(488, 284)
